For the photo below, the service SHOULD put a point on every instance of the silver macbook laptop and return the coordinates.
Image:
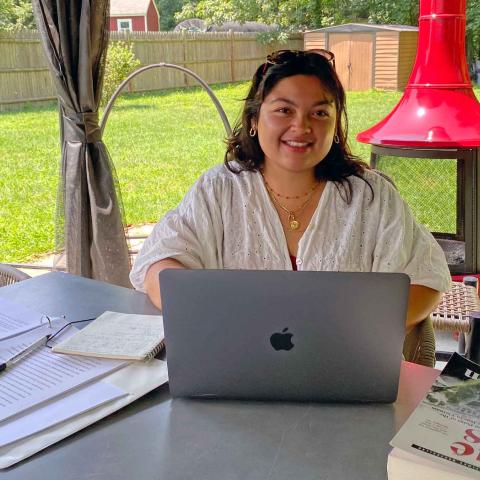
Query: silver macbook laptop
(284, 335)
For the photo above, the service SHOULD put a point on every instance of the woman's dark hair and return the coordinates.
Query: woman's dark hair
(339, 163)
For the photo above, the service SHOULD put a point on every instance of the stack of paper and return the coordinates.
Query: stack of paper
(46, 397)
(42, 375)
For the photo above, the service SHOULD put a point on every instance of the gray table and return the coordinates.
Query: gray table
(158, 437)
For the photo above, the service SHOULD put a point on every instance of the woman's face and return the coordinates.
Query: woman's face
(296, 124)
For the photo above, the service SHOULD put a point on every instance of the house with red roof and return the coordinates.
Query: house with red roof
(134, 16)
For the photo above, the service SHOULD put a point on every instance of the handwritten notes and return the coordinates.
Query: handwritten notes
(117, 335)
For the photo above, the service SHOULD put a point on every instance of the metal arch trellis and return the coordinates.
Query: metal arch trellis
(202, 82)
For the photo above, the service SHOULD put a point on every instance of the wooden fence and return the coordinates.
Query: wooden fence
(216, 57)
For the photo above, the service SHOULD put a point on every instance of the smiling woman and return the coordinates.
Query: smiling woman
(296, 124)
(292, 196)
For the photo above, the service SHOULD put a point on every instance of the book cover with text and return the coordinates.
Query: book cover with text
(445, 426)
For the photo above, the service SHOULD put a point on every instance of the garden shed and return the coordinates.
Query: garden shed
(368, 56)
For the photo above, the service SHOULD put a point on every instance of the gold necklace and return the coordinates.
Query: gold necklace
(286, 197)
(292, 219)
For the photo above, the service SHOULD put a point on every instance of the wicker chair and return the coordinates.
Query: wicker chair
(456, 313)
(9, 275)
(419, 345)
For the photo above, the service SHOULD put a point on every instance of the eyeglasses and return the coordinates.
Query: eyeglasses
(284, 56)
(45, 320)
(59, 332)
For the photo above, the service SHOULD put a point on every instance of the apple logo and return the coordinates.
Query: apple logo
(282, 341)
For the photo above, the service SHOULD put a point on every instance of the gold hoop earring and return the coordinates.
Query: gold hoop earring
(336, 138)
(253, 131)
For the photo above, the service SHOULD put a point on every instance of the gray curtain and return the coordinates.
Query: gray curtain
(89, 211)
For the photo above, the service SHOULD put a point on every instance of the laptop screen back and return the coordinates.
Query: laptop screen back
(283, 335)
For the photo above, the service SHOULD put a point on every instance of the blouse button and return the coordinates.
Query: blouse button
(299, 261)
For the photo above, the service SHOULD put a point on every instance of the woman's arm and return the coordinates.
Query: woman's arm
(421, 302)
(152, 283)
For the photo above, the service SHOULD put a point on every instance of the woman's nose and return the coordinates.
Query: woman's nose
(302, 124)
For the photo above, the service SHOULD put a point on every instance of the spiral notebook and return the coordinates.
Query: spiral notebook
(116, 335)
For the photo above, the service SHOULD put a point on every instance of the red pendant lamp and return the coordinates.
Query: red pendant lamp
(438, 108)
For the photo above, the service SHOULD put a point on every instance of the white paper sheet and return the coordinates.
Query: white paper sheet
(42, 375)
(11, 346)
(15, 318)
(136, 378)
(57, 411)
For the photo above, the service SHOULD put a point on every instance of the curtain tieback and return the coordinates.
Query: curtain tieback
(81, 127)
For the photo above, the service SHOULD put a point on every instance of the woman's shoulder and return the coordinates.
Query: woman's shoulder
(375, 177)
(374, 181)
(220, 176)
(369, 188)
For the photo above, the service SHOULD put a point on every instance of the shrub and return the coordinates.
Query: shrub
(121, 61)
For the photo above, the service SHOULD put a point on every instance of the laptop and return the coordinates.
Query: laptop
(284, 335)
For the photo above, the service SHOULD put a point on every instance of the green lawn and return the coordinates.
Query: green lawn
(159, 143)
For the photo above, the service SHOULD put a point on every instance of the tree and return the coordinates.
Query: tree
(283, 13)
(6, 14)
(394, 12)
(120, 63)
(167, 10)
(16, 15)
(473, 30)
(295, 15)
(301, 14)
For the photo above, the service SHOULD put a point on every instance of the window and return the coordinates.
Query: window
(124, 25)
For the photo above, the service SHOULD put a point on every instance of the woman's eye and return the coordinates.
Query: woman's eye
(321, 113)
(283, 110)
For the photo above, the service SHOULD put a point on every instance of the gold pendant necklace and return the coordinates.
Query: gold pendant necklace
(293, 222)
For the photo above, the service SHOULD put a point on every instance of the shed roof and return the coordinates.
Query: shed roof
(364, 27)
(128, 7)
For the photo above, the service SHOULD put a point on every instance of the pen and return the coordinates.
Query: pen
(23, 353)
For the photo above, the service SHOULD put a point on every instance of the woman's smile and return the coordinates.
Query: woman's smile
(297, 146)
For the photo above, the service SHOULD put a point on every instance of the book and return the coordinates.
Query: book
(408, 466)
(116, 335)
(441, 438)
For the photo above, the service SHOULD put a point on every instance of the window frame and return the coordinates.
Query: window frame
(130, 27)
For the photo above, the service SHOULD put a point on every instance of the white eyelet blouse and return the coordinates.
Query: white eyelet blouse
(227, 220)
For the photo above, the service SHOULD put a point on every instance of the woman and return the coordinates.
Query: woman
(291, 195)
